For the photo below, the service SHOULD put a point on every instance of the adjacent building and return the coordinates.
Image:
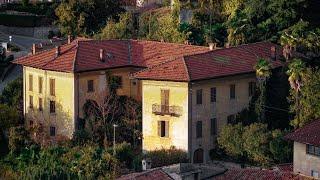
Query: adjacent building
(187, 100)
(306, 155)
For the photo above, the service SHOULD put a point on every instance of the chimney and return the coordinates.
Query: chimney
(212, 46)
(57, 51)
(101, 55)
(227, 45)
(34, 49)
(69, 39)
(273, 53)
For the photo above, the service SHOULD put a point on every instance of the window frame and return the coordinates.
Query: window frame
(199, 96)
(199, 129)
(163, 129)
(90, 86)
(213, 94)
(232, 89)
(313, 150)
(53, 131)
(213, 126)
(40, 84)
(30, 82)
(251, 88)
(52, 86)
(52, 106)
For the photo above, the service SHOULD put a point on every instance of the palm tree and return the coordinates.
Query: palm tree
(263, 72)
(296, 72)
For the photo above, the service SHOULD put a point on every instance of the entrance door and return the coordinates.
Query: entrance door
(198, 156)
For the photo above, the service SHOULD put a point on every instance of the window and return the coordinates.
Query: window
(90, 86)
(163, 128)
(31, 102)
(213, 94)
(314, 174)
(231, 119)
(52, 107)
(40, 79)
(252, 88)
(199, 129)
(52, 131)
(40, 104)
(30, 123)
(199, 96)
(165, 100)
(213, 126)
(313, 150)
(118, 81)
(52, 87)
(232, 91)
(30, 82)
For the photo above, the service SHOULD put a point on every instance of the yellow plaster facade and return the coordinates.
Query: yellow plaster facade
(63, 118)
(71, 93)
(182, 129)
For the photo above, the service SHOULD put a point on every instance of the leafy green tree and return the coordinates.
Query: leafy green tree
(18, 139)
(263, 72)
(85, 17)
(280, 148)
(12, 95)
(256, 139)
(307, 106)
(230, 139)
(124, 29)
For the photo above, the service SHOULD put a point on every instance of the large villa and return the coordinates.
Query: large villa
(188, 92)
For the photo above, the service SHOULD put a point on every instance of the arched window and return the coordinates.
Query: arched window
(198, 156)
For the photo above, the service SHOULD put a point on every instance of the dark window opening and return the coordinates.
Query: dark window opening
(213, 96)
(199, 96)
(213, 126)
(313, 150)
(199, 129)
(52, 106)
(40, 104)
(252, 88)
(31, 102)
(163, 128)
(52, 131)
(90, 86)
(232, 91)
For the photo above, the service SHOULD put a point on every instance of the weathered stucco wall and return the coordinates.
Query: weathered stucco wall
(178, 126)
(221, 109)
(302, 162)
(63, 119)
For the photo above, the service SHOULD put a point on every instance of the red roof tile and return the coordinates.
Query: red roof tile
(213, 64)
(309, 134)
(156, 174)
(257, 174)
(83, 55)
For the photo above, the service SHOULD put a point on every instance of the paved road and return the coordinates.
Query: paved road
(24, 42)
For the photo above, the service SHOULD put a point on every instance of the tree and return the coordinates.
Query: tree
(12, 95)
(256, 139)
(123, 29)
(85, 17)
(307, 106)
(280, 148)
(263, 72)
(230, 139)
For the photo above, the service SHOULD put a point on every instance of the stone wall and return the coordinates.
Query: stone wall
(36, 32)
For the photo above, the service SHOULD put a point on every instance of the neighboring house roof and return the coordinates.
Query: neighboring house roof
(84, 55)
(253, 174)
(309, 134)
(213, 64)
(156, 174)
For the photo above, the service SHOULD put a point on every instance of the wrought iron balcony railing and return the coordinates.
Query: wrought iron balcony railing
(166, 110)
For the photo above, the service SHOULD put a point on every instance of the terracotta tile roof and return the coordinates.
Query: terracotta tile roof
(257, 174)
(156, 174)
(288, 167)
(309, 134)
(213, 64)
(83, 55)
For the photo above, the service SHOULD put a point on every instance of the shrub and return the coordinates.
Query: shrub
(165, 157)
(18, 139)
(280, 149)
(230, 139)
(124, 153)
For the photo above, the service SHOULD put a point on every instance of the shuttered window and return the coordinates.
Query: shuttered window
(31, 102)
(52, 87)
(232, 91)
(199, 129)
(40, 82)
(163, 128)
(213, 126)
(30, 82)
(213, 94)
(40, 104)
(199, 96)
(52, 106)
(90, 86)
(252, 88)
(165, 100)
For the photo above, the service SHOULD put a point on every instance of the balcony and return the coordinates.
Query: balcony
(162, 110)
